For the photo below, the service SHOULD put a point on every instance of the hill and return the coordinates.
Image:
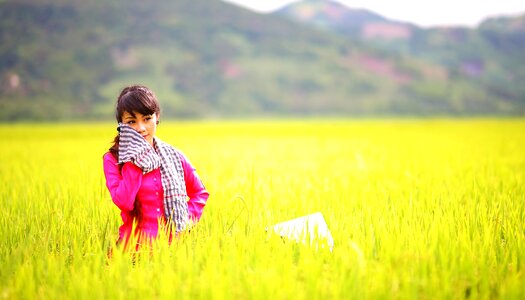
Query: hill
(349, 22)
(68, 59)
(489, 56)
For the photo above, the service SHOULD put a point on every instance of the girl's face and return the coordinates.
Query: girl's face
(145, 125)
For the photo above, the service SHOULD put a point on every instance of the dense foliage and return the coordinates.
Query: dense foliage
(488, 58)
(68, 59)
(418, 209)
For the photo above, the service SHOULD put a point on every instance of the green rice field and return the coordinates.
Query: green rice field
(418, 209)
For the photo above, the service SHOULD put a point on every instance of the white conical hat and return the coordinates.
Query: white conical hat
(310, 228)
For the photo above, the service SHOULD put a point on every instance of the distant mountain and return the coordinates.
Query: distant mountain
(63, 59)
(350, 22)
(490, 56)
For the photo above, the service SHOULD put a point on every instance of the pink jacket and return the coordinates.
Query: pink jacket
(128, 185)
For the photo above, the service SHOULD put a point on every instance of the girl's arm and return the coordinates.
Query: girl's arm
(195, 189)
(123, 184)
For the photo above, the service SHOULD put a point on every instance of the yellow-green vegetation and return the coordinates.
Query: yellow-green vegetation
(417, 208)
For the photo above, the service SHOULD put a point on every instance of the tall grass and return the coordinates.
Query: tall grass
(417, 209)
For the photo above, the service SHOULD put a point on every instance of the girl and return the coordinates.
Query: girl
(149, 180)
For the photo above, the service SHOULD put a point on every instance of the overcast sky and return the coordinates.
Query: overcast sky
(423, 13)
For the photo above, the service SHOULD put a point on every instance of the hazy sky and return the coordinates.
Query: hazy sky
(424, 13)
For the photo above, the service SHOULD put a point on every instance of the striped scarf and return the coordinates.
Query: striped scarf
(134, 148)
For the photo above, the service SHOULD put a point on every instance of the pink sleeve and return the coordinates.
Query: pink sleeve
(124, 184)
(195, 189)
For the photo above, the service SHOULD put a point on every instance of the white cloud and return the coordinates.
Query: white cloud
(424, 13)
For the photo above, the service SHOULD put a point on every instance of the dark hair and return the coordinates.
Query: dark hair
(134, 99)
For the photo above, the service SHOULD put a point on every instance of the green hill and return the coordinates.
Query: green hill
(68, 59)
(489, 57)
